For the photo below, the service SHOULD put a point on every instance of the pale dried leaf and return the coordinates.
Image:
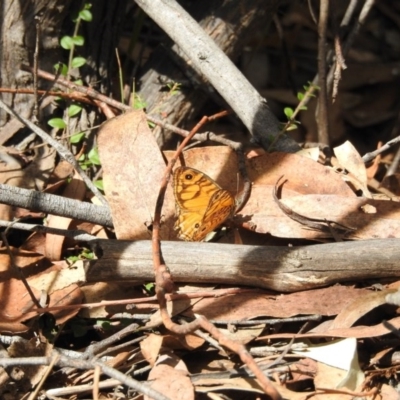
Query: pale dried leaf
(150, 347)
(350, 159)
(133, 168)
(340, 354)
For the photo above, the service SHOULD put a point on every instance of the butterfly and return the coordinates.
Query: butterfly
(201, 204)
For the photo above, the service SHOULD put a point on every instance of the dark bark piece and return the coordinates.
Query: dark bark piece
(284, 269)
(101, 39)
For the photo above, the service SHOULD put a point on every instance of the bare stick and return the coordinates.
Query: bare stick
(284, 269)
(208, 59)
(53, 204)
(322, 108)
(370, 156)
(73, 234)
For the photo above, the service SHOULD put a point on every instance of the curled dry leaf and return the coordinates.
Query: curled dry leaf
(370, 219)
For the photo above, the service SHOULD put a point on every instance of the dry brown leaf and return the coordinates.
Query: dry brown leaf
(328, 377)
(389, 393)
(353, 212)
(244, 306)
(188, 341)
(133, 168)
(357, 332)
(30, 348)
(359, 307)
(15, 302)
(76, 189)
(206, 385)
(109, 291)
(304, 176)
(170, 377)
(235, 383)
(150, 347)
(178, 306)
(243, 335)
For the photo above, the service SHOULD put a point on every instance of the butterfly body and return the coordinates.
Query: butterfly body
(201, 204)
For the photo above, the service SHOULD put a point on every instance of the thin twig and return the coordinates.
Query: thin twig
(87, 91)
(77, 235)
(64, 361)
(35, 394)
(35, 110)
(74, 96)
(322, 107)
(370, 156)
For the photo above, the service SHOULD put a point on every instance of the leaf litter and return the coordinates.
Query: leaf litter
(310, 189)
(324, 361)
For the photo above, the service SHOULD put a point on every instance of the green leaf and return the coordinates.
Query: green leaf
(288, 112)
(304, 108)
(67, 42)
(61, 69)
(99, 184)
(291, 127)
(57, 123)
(300, 96)
(78, 40)
(94, 157)
(138, 102)
(78, 62)
(86, 15)
(77, 137)
(74, 109)
(149, 287)
(88, 254)
(104, 324)
(79, 82)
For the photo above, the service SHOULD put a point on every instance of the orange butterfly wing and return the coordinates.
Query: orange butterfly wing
(201, 204)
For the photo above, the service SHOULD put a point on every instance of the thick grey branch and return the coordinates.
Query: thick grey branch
(56, 205)
(284, 269)
(210, 61)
